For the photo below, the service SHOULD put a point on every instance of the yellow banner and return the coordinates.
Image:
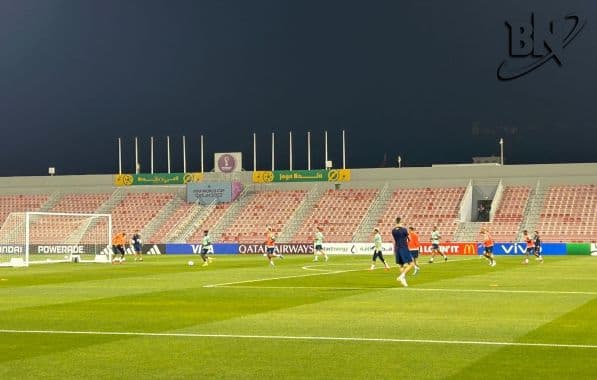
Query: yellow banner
(334, 175)
(263, 176)
(339, 175)
(156, 179)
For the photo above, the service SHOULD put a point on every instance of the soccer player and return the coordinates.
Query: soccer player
(377, 250)
(435, 236)
(318, 244)
(118, 242)
(531, 249)
(137, 243)
(537, 240)
(488, 244)
(413, 247)
(403, 257)
(206, 248)
(270, 245)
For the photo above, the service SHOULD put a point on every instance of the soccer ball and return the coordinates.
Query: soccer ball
(191, 263)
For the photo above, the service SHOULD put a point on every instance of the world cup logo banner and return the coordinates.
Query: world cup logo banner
(228, 162)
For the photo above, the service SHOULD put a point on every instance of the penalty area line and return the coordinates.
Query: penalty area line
(304, 338)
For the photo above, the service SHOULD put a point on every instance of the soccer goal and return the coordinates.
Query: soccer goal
(51, 237)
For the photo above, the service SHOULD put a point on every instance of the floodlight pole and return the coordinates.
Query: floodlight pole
(136, 156)
(119, 156)
(151, 152)
(273, 167)
(343, 149)
(290, 139)
(168, 151)
(201, 153)
(501, 151)
(325, 141)
(308, 150)
(184, 154)
(254, 151)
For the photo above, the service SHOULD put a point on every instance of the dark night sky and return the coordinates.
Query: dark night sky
(414, 77)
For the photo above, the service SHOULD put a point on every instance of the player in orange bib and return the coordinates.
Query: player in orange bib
(118, 242)
(488, 244)
(270, 246)
(413, 247)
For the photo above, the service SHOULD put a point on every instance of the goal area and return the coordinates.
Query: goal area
(51, 237)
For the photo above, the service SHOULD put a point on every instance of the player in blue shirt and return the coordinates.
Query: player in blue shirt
(137, 244)
(537, 252)
(404, 258)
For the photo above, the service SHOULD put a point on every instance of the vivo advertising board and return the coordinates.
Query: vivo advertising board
(188, 249)
(520, 248)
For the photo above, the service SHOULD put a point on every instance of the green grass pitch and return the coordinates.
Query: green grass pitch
(240, 319)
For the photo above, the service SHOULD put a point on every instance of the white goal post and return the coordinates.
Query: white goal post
(52, 237)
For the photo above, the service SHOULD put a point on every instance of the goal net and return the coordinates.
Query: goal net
(46, 237)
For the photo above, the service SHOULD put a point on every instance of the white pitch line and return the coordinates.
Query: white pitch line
(456, 290)
(308, 267)
(306, 287)
(278, 278)
(412, 289)
(290, 337)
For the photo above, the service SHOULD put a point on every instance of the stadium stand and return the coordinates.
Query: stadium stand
(170, 223)
(137, 209)
(507, 220)
(268, 208)
(339, 213)
(20, 203)
(559, 200)
(569, 214)
(424, 208)
(210, 222)
(80, 203)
